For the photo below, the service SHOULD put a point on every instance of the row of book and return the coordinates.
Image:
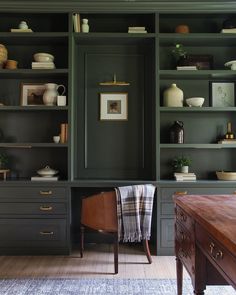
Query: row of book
(76, 22)
(137, 30)
(185, 176)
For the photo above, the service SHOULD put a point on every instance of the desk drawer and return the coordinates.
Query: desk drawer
(32, 208)
(167, 193)
(32, 232)
(32, 193)
(216, 253)
(183, 218)
(185, 247)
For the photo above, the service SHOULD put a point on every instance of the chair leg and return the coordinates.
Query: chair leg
(81, 241)
(116, 251)
(147, 251)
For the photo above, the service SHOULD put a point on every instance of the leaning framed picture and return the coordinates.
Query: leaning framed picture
(222, 94)
(114, 106)
(31, 94)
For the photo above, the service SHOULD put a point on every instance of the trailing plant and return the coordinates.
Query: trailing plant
(179, 51)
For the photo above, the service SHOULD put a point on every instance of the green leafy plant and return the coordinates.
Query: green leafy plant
(179, 51)
(181, 161)
(3, 160)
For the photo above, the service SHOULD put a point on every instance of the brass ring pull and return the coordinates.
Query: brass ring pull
(212, 246)
(181, 193)
(219, 255)
(45, 193)
(45, 208)
(47, 233)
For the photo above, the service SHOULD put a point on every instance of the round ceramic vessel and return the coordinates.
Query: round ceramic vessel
(43, 57)
(47, 172)
(195, 101)
(222, 175)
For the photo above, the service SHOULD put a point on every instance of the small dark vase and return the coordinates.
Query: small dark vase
(177, 132)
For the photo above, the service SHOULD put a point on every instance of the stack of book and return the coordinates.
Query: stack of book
(190, 68)
(185, 176)
(137, 30)
(43, 65)
(227, 141)
(233, 30)
(21, 31)
(41, 178)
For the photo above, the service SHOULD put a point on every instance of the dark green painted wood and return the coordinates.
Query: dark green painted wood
(196, 109)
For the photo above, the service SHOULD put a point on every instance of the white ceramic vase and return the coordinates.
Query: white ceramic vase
(85, 26)
(50, 94)
(173, 96)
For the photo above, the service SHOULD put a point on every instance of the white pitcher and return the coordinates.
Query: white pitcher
(51, 92)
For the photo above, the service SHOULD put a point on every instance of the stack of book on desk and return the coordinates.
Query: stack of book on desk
(185, 176)
(137, 30)
(43, 65)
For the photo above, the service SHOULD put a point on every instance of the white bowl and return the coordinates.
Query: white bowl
(195, 101)
(222, 175)
(43, 57)
(231, 64)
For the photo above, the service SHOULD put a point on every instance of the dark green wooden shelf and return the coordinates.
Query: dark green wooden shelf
(196, 109)
(196, 146)
(27, 73)
(35, 38)
(29, 145)
(113, 38)
(33, 108)
(198, 39)
(197, 74)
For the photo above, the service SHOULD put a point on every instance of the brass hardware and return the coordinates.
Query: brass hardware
(45, 193)
(212, 246)
(181, 193)
(219, 255)
(234, 192)
(45, 208)
(46, 233)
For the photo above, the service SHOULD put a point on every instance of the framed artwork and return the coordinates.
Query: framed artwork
(222, 94)
(113, 106)
(31, 94)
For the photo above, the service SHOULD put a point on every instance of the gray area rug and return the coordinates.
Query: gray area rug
(101, 286)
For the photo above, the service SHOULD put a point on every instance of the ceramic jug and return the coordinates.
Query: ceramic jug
(173, 96)
(177, 132)
(51, 92)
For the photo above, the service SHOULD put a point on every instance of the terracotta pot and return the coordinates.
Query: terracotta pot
(182, 29)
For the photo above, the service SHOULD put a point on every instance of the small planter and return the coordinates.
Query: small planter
(184, 169)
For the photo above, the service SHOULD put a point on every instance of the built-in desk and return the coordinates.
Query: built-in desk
(205, 240)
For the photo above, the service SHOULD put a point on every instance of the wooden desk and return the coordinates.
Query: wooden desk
(205, 240)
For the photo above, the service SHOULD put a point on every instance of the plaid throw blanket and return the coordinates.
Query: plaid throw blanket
(134, 212)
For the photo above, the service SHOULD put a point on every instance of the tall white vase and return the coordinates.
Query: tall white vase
(173, 96)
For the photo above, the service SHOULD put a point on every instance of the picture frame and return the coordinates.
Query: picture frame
(222, 94)
(114, 106)
(32, 94)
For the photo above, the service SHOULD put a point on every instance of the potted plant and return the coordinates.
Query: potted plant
(180, 54)
(3, 160)
(181, 164)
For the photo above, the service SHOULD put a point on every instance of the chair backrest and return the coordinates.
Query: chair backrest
(99, 212)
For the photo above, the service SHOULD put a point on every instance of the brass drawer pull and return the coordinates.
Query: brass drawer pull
(219, 255)
(45, 208)
(181, 193)
(212, 246)
(45, 193)
(49, 233)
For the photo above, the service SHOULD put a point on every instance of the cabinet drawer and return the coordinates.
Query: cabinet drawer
(184, 219)
(216, 252)
(32, 193)
(185, 247)
(32, 208)
(167, 193)
(32, 232)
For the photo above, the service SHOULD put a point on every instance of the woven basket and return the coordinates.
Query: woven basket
(3, 53)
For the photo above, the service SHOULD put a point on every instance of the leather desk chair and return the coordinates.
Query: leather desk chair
(99, 212)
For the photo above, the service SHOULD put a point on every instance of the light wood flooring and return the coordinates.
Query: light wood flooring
(97, 262)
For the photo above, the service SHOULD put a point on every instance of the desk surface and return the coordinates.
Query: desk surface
(216, 213)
